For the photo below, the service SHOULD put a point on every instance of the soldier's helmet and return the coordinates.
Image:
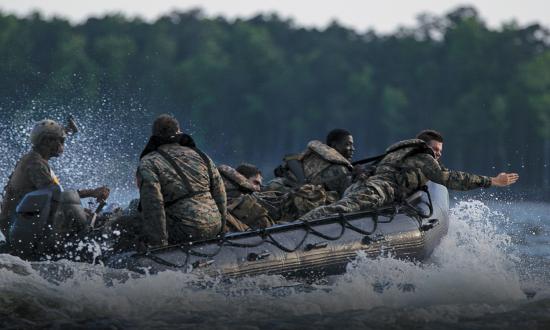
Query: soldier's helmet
(46, 128)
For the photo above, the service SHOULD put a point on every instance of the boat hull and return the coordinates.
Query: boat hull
(322, 248)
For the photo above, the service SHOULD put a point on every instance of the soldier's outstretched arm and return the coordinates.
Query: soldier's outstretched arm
(501, 180)
(454, 180)
(152, 206)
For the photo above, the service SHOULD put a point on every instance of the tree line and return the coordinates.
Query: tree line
(256, 89)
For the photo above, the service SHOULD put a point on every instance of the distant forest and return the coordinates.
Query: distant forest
(263, 87)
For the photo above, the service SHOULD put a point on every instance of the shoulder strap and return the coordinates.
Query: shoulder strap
(207, 163)
(178, 170)
(297, 168)
(416, 150)
(368, 160)
(191, 192)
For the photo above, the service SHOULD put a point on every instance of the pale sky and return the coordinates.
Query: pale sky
(382, 16)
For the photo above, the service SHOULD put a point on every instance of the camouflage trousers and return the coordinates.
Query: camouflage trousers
(179, 232)
(363, 195)
(130, 232)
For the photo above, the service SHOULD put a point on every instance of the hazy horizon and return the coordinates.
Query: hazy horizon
(381, 17)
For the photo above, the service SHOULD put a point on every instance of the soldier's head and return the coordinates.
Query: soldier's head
(341, 140)
(433, 139)
(252, 174)
(166, 126)
(48, 138)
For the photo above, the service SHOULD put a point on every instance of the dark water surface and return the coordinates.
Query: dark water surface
(490, 272)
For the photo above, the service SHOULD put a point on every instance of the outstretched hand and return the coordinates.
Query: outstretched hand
(504, 179)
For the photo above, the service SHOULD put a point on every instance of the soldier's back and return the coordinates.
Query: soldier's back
(189, 203)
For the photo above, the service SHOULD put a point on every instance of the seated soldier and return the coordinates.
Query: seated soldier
(405, 168)
(252, 174)
(327, 165)
(33, 172)
(181, 191)
(244, 204)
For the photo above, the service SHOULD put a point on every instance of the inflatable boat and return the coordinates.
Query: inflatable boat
(314, 248)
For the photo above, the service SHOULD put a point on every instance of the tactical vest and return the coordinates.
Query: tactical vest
(244, 208)
(393, 164)
(301, 169)
(250, 212)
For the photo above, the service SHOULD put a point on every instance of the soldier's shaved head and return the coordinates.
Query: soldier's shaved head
(341, 140)
(336, 135)
(166, 126)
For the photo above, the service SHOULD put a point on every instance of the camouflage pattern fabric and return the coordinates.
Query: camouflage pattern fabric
(32, 172)
(399, 174)
(282, 185)
(362, 195)
(322, 165)
(325, 166)
(171, 213)
(235, 183)
(233, 224)
(304, 199)
(272, 202)
(408, 170)
(247, 210)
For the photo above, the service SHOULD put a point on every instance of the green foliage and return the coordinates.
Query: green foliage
(254, 90)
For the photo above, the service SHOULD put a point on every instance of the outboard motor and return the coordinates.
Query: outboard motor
(33, 220)
(70, 218)
(44, 219)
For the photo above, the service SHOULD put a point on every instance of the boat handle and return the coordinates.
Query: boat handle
(202, 263)
(430, 225)
(257, 256)
(313, 246)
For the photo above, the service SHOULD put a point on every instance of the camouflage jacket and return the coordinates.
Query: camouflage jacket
(166, 201)
(235, 183)
(31, 172)
(410, 164)
(325, 166)
(322, 165)
(245, 206)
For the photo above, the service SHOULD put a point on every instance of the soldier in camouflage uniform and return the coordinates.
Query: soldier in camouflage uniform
(327, 165)
(236, 183)
(406, 167)
(247, 206)
(33, 172)
(181, 191)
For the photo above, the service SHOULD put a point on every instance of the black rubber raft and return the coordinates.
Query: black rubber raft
(320, 247)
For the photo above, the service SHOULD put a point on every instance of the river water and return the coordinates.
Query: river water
(492, 271)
